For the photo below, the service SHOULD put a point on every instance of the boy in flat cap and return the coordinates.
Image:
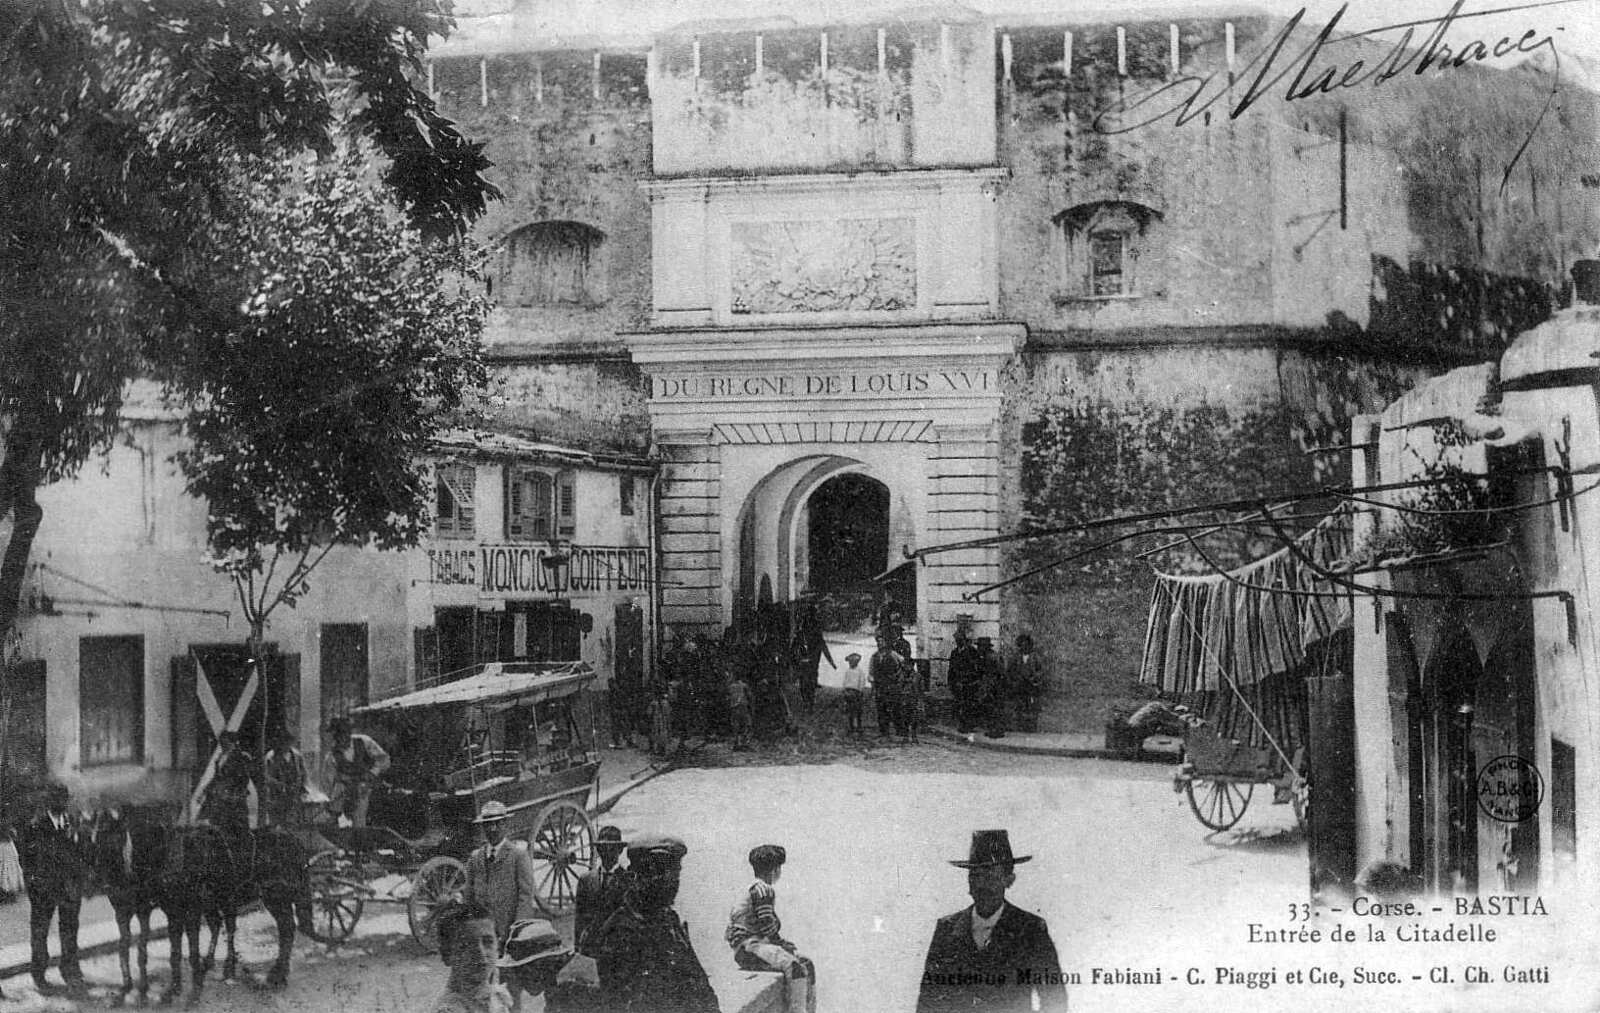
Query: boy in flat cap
(991, 956)
(645, 960)
(753, 931)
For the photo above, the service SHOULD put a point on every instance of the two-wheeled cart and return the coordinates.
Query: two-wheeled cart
(518, 733)
(1219, 775)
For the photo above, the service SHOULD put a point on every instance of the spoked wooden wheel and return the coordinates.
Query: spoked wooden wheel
(562, 848)
(438, 881)
(1218, 804)
(336, 899)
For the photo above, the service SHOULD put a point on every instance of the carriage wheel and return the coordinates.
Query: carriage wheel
(335, 902)
(562, 847)
(437, 882)
(1218, 804)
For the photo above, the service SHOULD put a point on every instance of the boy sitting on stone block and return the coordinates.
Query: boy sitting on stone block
(753, 932)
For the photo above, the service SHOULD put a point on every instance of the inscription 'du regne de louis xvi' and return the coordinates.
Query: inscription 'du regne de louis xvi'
(866, 383)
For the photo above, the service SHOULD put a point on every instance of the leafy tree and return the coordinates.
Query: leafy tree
(342, 339)
(135, 134)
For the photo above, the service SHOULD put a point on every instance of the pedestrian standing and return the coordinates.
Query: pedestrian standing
(911, 702)
(754, 931)
(284, 774)
(645, 959)
(357, 762)
(884, 670)
(1025, 678)
(739, 712)
(807, 649)
(661, 722)
(963, 675)
(991, 955)
(992, 696)
(622, 702)
(56, 871)
(603, 888)
(500, 872)
(854, 682)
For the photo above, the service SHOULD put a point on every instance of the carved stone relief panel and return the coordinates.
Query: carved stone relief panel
(854, 264)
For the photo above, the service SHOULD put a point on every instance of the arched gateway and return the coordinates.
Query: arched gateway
(805, 471)
(806, 327)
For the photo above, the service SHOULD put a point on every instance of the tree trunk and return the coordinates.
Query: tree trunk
(20, 474)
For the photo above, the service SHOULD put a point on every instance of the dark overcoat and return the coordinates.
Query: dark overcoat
(1003, 976)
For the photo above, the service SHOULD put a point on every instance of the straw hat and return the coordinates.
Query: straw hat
(492, 812)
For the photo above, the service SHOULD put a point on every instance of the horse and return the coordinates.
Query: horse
(274, 861)
(125, 848)
(192, 867)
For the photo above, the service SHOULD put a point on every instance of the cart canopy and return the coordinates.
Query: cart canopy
(500, 684)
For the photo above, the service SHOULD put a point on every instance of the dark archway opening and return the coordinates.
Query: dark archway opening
(848, 533)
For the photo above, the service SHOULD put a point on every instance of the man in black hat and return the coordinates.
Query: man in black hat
(646, 962)
(991, 955)
(55, 866)
(602, 889)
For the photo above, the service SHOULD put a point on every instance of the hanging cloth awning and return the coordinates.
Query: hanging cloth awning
(1246, 628)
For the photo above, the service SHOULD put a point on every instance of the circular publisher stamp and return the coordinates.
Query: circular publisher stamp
(1510, 789)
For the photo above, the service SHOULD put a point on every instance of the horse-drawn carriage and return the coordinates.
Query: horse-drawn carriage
(518, 733)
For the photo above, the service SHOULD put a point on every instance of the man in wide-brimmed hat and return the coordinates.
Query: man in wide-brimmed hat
(991, 955)
(500, 873)
(602, 889)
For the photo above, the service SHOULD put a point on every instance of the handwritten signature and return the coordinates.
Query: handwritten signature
(1185, 97)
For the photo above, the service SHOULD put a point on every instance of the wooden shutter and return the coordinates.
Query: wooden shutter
(283, 703)
(425, 648)
(25, 722)
(567, 504)
(513, 484)
(185, 713)
(459, 482)
(488, 637)
(528, 504)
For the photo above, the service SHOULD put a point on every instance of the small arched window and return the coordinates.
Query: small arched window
(552, 264)
(1104, 248)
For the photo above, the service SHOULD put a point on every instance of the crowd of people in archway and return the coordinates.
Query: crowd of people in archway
(759, 680)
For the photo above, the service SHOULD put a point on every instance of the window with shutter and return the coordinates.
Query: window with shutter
(111, 700)
(529, 505)
(625, 495)
(456, 491)
(567, 512)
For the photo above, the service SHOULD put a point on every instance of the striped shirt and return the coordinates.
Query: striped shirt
(754, 917)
